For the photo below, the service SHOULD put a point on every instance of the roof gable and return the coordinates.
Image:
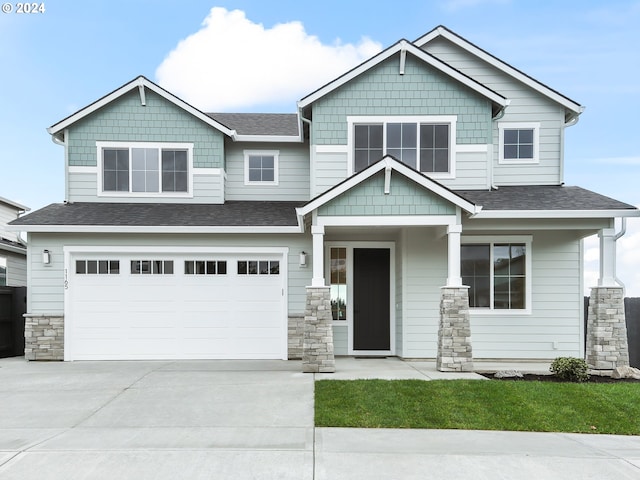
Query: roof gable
(402, 48)
(391, 167)
(141, 83)
(443, 32)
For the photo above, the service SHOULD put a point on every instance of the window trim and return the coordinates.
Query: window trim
(100, 145)
(265, 153)
(535, 126)
(491, 241)
(451, 120)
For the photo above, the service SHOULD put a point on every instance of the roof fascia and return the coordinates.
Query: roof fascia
(139, 82)
(13, 249)
(557, 214)
(444, 32)
(404, 46)
(152, 229)
(393, 164)
(268, 138)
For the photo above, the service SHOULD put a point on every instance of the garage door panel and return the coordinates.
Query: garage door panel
(195, 314)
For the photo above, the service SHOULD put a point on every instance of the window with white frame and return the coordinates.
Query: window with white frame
(423, 143)
(518, 142)
(3, 271)
(497, 273)
(144, 169)
(261, 167)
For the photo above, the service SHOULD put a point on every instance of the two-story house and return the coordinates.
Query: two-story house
(414, 206)
(13, 251)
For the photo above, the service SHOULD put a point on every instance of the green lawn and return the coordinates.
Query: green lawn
(479, 405)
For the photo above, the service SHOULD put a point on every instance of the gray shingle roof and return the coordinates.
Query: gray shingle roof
(278, 124)
(542, 197)
(231, 214)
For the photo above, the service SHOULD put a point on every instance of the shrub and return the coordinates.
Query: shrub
(570, 368)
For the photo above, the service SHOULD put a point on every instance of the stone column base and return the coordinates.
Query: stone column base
(43, 337)
(454, 332)
(317, 347)
(607, 344)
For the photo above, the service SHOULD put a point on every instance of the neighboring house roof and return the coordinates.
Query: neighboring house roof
(546, 201)
(140, 83)
(245, 216)
(441, 31)
(11, 246)
(403, 47)
(389, 164)
(15, 205)
(271, 124)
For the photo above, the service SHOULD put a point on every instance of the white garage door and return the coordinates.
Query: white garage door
(180, 306)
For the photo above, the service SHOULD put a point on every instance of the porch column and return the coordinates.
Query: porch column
(454, 331)
(607, 258)
(317, 344)
(318, 256)
(607, 344)
(454, 279)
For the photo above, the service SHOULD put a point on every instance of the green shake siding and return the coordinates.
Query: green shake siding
(126, 120)
(405, 198)
(422, 90)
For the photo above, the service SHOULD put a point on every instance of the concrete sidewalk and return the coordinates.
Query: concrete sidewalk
(254, 420)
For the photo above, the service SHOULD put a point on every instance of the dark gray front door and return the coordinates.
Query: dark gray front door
(371, 299)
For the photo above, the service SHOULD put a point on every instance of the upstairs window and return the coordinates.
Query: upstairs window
(144, 169)
(261, 167)
(422, 143)
(518, 142)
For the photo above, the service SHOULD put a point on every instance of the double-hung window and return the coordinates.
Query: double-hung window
(261, 167)
(518, 142)
(497, 273)
(423, 143)
(144, 169)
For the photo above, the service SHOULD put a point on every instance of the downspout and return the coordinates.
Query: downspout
(497, 116)
(312, 178)
(620, 234)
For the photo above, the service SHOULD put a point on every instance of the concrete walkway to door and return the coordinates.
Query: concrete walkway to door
(253, 420)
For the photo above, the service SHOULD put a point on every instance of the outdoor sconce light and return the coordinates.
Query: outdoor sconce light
(303, 259)
(46, 257)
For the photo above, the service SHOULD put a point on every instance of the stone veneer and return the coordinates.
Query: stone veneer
(317, 348)
(454, 332)
(607, 344)
(295, 337)
(43, 337)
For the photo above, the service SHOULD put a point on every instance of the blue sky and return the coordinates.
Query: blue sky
(56, 62)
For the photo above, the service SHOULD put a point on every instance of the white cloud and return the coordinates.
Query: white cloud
(232, 63)
(625, 161)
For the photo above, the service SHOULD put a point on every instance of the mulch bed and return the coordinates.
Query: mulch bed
(552, 378)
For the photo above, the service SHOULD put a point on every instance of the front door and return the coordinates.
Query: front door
(371, 299)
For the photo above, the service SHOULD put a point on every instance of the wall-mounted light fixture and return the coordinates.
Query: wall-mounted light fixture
(46, 257)
(303, 259)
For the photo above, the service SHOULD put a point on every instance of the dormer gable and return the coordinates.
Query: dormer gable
(572, 108)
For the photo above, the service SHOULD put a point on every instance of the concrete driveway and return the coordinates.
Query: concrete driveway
(155, 420)
(254, 420)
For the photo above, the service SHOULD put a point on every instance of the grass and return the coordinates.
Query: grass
(479, 405)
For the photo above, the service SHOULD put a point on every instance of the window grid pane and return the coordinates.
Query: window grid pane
(434, 148)
(368, 145)
(261, 168)
(175, 172)
(518, 144)
(115, 169)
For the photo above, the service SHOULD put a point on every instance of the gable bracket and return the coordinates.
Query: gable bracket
(387, 179)
(143, 100)
(403, 59)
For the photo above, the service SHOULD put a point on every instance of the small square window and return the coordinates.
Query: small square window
(518, 142)
(261, 167)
